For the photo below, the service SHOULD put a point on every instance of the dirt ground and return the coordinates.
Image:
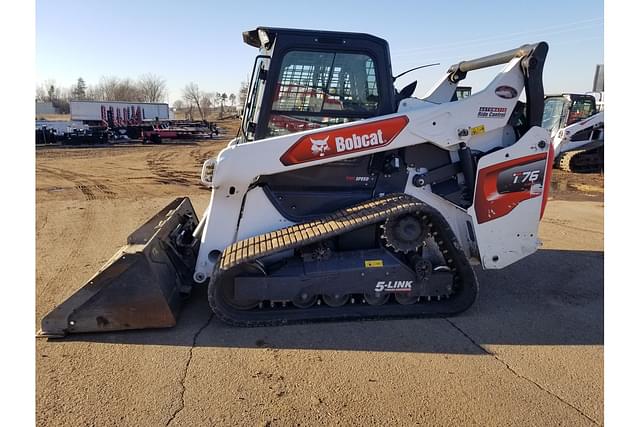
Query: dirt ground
(530, 352)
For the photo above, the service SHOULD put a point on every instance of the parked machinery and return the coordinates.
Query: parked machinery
(342, 198)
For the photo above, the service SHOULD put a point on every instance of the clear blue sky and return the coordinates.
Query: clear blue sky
(201, 41)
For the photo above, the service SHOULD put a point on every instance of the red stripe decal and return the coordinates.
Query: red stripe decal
(351, 139)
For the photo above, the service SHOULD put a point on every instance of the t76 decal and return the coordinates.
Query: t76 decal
(501, 187)
(351, 139)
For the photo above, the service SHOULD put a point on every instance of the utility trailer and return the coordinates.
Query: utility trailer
(120, 113)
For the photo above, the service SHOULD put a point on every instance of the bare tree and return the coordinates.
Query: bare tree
(223, 99)
(61, 100)
(178, 104)
(128, 90)
(232, 99)
(242, 93)
(94, 93)
(51, 88)
(218, 100)
(115, 89)
(206, 104)
(192, 95)
(152, 88)
(79, 91)
(41, 93)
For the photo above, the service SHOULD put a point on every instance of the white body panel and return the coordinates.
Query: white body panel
(259, 216)
(506, 239)
(562, 139)
(444, 125)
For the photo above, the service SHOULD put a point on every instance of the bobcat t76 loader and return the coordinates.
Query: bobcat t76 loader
(341, 198)
(577, 131)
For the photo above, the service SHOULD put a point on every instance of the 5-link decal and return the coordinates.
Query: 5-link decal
(394, 286)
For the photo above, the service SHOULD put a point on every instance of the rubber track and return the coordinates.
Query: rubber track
(564, 162)
(345, 220)
(306, 233)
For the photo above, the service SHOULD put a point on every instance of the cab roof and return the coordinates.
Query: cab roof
(253, 37)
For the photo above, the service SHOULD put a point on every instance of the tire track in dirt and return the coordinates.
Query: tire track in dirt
(75, 232)
(75, 237)
(90, 187)
(160, 164)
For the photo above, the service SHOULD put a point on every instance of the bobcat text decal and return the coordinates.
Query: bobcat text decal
(350, 139)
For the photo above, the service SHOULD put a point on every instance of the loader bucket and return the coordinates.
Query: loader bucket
(144, 283)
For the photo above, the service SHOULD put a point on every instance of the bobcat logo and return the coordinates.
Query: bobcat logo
(320, 146)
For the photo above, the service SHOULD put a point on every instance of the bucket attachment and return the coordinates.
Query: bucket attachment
(144, 283)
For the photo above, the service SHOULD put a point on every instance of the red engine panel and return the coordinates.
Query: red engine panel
(501, 187)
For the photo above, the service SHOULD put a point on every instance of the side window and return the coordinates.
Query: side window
(353, 85)
(580, 110)
(552, 114)
(317, 89)
(254, 97)
(302, 81)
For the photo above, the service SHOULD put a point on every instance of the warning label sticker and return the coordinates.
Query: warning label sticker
(478, 130)
(372, 263)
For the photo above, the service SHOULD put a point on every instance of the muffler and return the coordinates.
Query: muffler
(142, 286)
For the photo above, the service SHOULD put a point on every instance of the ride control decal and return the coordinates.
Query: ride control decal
(351, 139)
(492, 112)
(501, 187)
(506, 92)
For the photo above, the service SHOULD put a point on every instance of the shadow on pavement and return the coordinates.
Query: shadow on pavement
(553, 297)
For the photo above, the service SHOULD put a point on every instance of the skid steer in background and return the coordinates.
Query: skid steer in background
(341, 198)
(577, 131)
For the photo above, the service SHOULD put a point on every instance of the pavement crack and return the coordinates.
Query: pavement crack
(186, 370)
(513, 371)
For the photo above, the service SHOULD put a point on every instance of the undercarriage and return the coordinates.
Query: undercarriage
(300, 273)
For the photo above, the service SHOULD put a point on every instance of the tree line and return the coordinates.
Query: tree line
(147, 88)
(195, 99)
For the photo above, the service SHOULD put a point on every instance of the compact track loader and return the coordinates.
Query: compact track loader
(341, 197)
(577, 131)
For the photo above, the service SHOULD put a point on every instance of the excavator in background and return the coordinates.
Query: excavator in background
(341, 198)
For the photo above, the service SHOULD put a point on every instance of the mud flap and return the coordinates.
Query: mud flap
(144, 283)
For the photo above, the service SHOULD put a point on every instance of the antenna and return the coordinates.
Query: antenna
(413, 69)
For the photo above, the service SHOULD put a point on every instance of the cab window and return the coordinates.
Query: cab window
(580, 110)
(316, 89)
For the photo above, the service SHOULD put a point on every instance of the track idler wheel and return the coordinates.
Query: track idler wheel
(227, 285)
(406, 233)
